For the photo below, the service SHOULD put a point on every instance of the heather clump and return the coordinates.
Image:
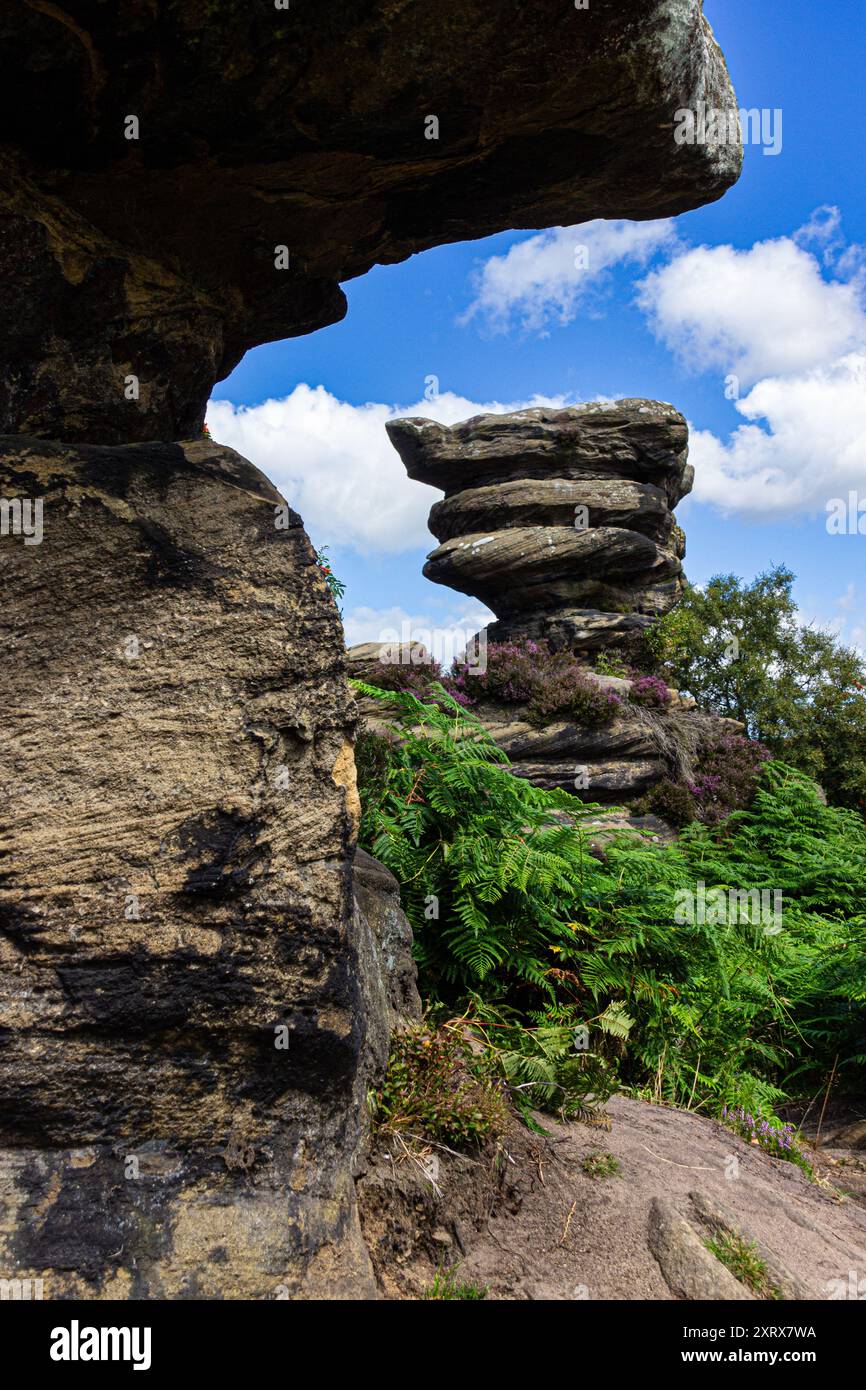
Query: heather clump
(550, 684)
(725, 779)
(416, 677)
(727, 776)
(650, 691)
(510, 674)
(570, 694)
(670, 800)
(775, 1137)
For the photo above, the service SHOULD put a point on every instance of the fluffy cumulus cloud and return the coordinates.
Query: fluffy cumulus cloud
(445, 634)
(783, 320)
(786, 325)
(546, 278)
(764, 311)
(809, 447)
(334, 463)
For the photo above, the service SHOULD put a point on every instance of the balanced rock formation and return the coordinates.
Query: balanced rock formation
(180, 181)
(560, 521)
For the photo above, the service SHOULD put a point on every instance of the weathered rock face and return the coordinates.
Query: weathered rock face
(261, 127)
(393, 970)
(559, 520)
(185, 991)
(610, 764)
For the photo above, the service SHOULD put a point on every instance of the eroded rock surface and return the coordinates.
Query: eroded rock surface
(393, 970)
(185, 1038)
(614, 763)
(260, 128)
(560, 521)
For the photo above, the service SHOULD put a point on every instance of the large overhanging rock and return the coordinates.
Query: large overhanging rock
(157, 156)
(559, 520)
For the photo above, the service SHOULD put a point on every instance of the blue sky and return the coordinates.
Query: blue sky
(767, 284)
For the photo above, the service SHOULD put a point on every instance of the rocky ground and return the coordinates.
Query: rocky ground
(540, 1221)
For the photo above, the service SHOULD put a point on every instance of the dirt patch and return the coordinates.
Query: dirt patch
(570, 1216)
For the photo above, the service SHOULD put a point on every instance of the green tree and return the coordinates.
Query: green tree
(738, 649)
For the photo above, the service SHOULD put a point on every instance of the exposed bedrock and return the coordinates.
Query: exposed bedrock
(157, 155)
(561, 521)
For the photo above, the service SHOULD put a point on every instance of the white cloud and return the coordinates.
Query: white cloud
(545, 278)
(794, 333)
(792, 330)
(445, 634)
(765, 311)
(812, 449)
(334, 463)
(850, 625)
(824, 229)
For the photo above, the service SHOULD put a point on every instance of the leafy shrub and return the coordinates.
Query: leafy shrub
(431, 1090)
(740, 650)
(609, 662)
(637, 651)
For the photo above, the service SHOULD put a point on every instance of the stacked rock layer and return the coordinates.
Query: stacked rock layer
(560, 521)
